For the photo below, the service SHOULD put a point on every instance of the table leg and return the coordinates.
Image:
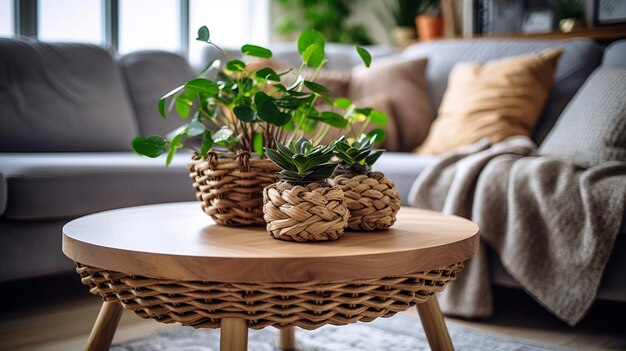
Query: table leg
(434, 325)
(233, 334)
(104, 329)
(287, 338)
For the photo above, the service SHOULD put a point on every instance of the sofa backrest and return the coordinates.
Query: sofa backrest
(57, 97)
(579, 59)
(615, 55)
(149, 75)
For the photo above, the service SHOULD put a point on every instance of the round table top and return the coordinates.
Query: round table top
(179, 241)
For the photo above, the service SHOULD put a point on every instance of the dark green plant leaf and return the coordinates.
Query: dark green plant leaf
(161, 106)
(373, 157)
(308, 38)
(313, 56)
(257, 144)
(267, 110)
(294, 85)
(207, 142)
(365, 55)
(280, 160)
(268, 74)
(315, 87)
(236, 66)
(204, 34)
(378, 134)
(257, 51)
(152, 146)
(331, 118)
(244, 113)
(162, 101)
(324, 171)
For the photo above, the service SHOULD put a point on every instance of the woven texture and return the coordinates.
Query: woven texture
(372, 199)
(304, 213)
(231, 188)
(306, 305)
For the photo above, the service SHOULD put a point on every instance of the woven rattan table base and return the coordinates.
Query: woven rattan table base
(307, 305)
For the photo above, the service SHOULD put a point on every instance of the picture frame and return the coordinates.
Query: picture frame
(608, 12)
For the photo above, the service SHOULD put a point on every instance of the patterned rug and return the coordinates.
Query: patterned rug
(401, 332)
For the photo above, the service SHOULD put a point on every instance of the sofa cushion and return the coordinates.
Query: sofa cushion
(494, 100)
(403, 83)
(52, 186)
(402, 168)
(592, 129)
(615, 55)
(149, 75)
(62, 97)
(579, 59)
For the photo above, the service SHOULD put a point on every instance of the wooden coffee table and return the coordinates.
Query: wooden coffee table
(172, 263)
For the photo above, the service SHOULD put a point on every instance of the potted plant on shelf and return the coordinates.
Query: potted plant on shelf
(570, 14)
(303, 206)
(403, 13)
(232, 114)
(429, 21)
(372, 198)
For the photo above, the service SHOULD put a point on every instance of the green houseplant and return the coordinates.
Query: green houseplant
(372, 198)
(302, 206)
(231, 113)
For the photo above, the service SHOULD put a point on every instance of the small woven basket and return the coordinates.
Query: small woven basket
(372, 199)
(230, 187)
(304, 212)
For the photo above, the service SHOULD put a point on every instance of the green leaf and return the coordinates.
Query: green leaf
(236, 66)
(378, 134)
(244, 113)
(267, 110)
(280, 160)
(207, 142)
(152, 146)
(308, 38)
(324, 171)
(257, 51)
(183, 107)
(318, 88)
(373, 157)
(343, 103)
(175, 144)
(194, 128)
(378, 117)
(331, 118)
(222, 135)
(268, 74)
(202, 85)
(203, 34)
(161, 107)
(365, 55)
(257, 143)
(313, 56)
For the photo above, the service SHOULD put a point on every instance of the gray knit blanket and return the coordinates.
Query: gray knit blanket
(552, 223)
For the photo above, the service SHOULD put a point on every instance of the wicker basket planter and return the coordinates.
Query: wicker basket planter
(308, 212)
(372, 199)
(230, 187)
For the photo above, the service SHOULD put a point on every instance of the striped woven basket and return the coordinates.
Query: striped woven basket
(230, 187)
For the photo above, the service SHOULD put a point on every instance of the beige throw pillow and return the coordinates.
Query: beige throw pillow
(403, 83)
(494, 100)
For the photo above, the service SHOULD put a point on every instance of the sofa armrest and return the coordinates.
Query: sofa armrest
(3, 193)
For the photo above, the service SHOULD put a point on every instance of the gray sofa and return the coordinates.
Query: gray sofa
(69, 112)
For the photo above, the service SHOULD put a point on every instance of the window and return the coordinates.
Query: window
(71, 20)
(232, 23)
(6, 18)
(149, 24)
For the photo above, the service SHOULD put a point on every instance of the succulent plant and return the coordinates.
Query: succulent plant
(358, 156)
(301, 162)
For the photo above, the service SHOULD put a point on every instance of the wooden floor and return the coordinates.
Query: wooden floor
(61, 319)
